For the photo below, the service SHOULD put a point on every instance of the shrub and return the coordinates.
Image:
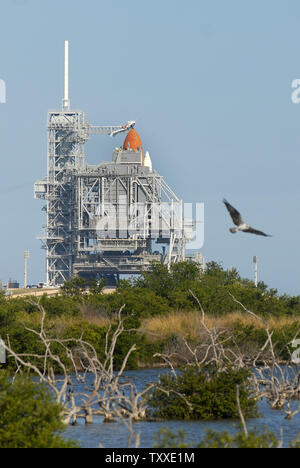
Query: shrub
(210, 392)
(28, 416)
(261, 439)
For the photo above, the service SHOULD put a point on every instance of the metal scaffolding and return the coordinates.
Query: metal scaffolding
(103, 220)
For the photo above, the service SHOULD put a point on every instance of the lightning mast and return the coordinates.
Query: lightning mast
(75, 192)
(66, 138)
(66, 100)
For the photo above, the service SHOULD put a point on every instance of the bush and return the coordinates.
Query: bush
(264, 439)
(28, 416)
(59, 306)
(77, 287)
(95, 335)
(140, 302)
(212, 288)
(256, 337)
(210, 392)
(259, 439)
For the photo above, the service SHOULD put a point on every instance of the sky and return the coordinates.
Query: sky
(209, 85)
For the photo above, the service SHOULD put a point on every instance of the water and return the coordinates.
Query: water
(115, 435)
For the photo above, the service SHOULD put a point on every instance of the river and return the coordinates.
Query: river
(115, 435)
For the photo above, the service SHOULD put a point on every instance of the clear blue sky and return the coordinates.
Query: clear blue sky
(209, 84)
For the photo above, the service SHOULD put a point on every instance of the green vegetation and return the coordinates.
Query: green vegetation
(77, 287)
(160, 295)
(212, 288)
(209, 394)
(28, 416)
(261, 439)
(159, 311)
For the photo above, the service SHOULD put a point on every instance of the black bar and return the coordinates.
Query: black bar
(153, 456)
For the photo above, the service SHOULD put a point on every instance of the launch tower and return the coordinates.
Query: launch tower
(106, 220)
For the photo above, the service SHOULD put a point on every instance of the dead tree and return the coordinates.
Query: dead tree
(109, 395)
(279, 384)
(217, 347)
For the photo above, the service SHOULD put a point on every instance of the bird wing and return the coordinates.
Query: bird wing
(254, 231)
(235, 215)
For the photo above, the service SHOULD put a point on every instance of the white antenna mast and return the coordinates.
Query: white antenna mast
(26, 257)
(255, 271)
(66, 101)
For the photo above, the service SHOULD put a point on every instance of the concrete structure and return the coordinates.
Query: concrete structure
(106, 220)
(13, 284)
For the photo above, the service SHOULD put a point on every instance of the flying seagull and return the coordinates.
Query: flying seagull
(240, 223)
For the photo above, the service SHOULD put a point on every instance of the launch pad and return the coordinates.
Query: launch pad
(106, 220)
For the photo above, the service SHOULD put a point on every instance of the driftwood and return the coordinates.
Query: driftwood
(109, 396)
(215, 347)
(279, 384)
(112, 397)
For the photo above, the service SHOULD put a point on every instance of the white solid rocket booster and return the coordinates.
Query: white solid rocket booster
(147, 161)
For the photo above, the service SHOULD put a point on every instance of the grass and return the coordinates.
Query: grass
(183, 324)
(188, 324)
(160, 331)
(59, 324)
